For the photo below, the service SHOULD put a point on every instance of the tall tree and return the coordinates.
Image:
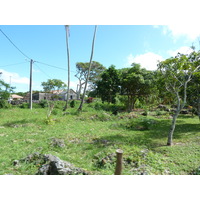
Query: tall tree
(82, 71)
(90, 65)
(177, 73)
(68, 63)
(109, 85)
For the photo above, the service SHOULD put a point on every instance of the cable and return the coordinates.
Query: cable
(13, 64)
(42, 70)
(53, 66)
(14, 45)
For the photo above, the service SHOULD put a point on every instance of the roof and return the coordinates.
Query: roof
(15, 96)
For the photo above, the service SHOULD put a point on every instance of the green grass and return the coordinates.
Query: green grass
(92, 136)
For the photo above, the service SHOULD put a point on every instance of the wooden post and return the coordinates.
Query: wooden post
(118, 169)
(30, 86)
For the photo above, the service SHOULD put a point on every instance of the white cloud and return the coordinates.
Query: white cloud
(191, 31)
(148, 60)
(73, 84)
(14, 77)
(183, 50)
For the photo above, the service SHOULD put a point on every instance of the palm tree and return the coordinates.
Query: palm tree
(68, 62)
(88, 75)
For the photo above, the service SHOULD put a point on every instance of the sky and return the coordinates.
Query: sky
(118, 45)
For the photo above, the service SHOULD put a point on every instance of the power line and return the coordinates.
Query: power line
(53, 66)
(13, 64)
(14, 45)
(42, 71)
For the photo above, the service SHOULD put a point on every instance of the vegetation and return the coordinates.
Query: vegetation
(92, 137)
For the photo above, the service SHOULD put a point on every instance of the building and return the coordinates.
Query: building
(15, 97)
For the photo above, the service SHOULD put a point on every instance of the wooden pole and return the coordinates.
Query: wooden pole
(30, 86)
(118, 170)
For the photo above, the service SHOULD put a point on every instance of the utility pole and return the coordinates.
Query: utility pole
(30, 86)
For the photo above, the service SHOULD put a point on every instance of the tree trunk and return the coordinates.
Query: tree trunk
(88, 75)
(68, 62)
(171, 131)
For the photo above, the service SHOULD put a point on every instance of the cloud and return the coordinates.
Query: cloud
(148, 60)
(14, 77)
(183, 50)
(191, 31)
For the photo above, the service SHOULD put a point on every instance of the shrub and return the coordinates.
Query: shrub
(24, 105)
(72, 104)
(5, 104)
(43, 103)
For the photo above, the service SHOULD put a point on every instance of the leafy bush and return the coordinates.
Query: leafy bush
(5, 104)
(24, 105)
(140, 124)
(55, 112)
(43, 103)
(59, 104)
(49, 121)
(72, 104)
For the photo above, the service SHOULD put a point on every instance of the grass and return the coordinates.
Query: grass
(92, 137)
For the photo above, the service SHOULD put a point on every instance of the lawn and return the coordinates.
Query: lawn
(92, 137)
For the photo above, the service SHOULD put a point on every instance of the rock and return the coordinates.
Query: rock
(16, 162)
(58, 167)
(58, 143)
(51, 165)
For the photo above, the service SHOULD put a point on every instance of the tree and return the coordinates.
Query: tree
(5, 90)
(53, 84)
(82, 71)
(193, 89)
(177, 73)
(68, 63)
(88, 74)
(109, 85)
(136, 82)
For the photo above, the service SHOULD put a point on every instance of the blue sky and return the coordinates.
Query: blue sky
(119, 45)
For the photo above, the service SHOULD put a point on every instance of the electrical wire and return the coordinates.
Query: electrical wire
(14, 45)
(42, 70)
(54, 66)
(12, 64)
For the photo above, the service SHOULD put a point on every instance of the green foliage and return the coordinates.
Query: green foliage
(72, 104)
(53, 84)
(43, 103)
(142, 123)
(24, 105)
(49, 121)
(108, 86)
(5, 104)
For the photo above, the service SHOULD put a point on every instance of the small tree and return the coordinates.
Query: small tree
(177, 73)
(52, 84)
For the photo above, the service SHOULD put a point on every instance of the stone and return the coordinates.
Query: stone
(56, 166)
(51, 165)
(16, 162)
(58, 143)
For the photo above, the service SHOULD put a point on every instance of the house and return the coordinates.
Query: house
(72, 94)
(15, 97)
(53, 95)
(42, 96)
